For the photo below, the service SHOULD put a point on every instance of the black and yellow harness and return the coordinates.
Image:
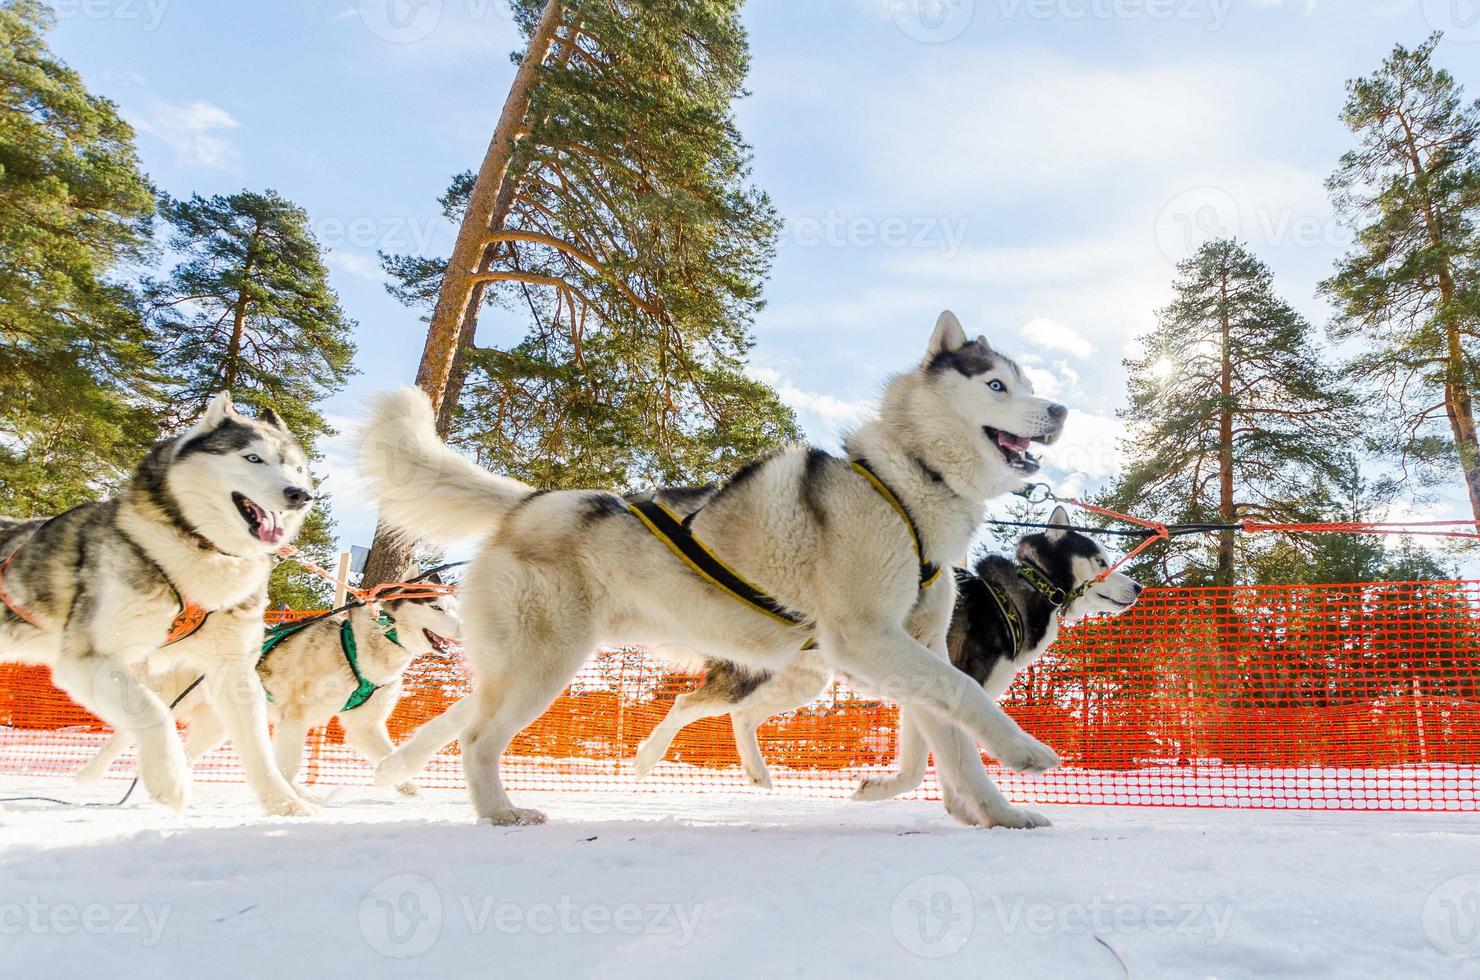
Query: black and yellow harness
(1012, 620)
(366, 687)
(674, 531)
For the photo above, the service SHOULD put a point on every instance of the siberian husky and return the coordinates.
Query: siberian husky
(104, 587)
(347, 668)
(840, 548)
(1007, 615)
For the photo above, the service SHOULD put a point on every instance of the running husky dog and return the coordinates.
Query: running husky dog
(346, 668)
(1007, 615)
(178, 560)
(844, 550)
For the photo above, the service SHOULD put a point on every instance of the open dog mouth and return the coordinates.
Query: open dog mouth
(1014, 449)
(440, 644)
(266, 525)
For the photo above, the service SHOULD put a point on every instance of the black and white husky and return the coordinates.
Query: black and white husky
(1008, 613)
(175, 565)
(841, 555)
(349, 668)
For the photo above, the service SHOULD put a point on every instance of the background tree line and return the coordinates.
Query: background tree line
(1237, 412)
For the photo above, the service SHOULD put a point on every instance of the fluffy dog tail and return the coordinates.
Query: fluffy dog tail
(426, 490)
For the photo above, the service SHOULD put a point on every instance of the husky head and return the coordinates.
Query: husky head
(992, 395)
(240, 483)
(1073, 560)
(426, 624)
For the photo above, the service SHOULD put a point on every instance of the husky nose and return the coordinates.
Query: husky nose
(1137, 587)
(1058, 412)
(297, 497)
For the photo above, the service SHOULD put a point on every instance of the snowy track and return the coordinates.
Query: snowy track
(726, 885)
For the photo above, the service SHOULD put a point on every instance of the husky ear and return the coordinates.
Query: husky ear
(948, 335)
(1059, 516)
(218, 410)
(271, 418)
(434, 579)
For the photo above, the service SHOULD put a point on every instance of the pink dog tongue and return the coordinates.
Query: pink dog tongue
(1009, 441)
(270, 527)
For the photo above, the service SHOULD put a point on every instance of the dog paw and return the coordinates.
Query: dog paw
(882, 788)
(393, 771)
(289, 806)
(513, 817)
(761, 779)
(1029, 755)
(167, 779)
(1019, 818)
(643, 762)
(408, 789)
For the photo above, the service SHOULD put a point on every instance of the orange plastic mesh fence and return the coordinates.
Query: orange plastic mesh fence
(1363, 697)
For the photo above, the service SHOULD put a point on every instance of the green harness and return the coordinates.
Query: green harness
(366, 687)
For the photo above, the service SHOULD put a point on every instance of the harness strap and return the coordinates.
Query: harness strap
(1046, 587)
(9, 600)
(366, 687)
(929, 571)
(672, 532)
(1012, 623)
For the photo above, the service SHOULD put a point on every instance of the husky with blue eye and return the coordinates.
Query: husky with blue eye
(1008, 613)
(800, 548)
(173, 570)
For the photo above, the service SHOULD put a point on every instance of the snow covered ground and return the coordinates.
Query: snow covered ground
(621, 885)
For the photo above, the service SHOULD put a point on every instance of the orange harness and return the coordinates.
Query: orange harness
(187, 621)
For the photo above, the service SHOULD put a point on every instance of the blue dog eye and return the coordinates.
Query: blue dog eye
(253, 458)
(996, 385)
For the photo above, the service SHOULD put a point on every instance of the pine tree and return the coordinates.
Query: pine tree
(76, 408)
(613, 215)
(248, 309)
(1411, 286)
(1233, 415)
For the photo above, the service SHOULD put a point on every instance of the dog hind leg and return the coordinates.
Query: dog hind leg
(913, 757)
(687, 709)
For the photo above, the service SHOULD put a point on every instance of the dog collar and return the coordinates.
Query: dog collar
(1058, 596)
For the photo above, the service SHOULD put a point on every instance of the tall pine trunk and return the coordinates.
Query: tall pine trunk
(1226, 510)
(455, 316)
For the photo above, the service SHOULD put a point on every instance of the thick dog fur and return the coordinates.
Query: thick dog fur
(311, 682)
(559, 573)
(102, 581)
(979, 645)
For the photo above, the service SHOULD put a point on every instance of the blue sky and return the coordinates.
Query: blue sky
(1035, 165)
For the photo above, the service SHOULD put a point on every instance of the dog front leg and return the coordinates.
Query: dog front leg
(236, 694)
(914, 755)
(412, 757)
(887, 660)
(365, 730)
(102, 685)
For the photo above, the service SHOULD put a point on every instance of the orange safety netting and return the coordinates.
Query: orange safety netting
(1362, 697)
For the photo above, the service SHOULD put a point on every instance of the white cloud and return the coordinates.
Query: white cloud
(824, 418)
(355, 265)
(1053, 335)
(195, 131)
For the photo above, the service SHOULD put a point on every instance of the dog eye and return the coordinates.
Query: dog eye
(996, 385)
(252, 458)
(1103, 563)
